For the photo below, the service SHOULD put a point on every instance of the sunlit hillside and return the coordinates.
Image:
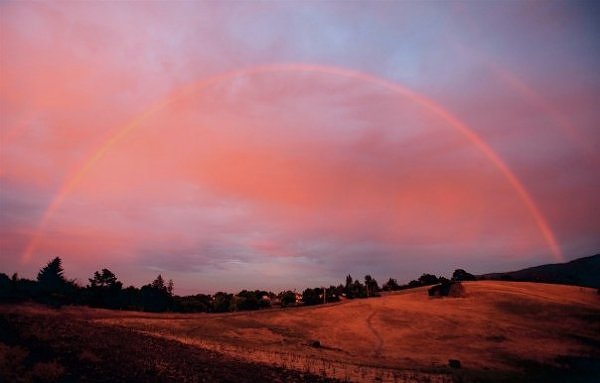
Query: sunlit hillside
(510, 328)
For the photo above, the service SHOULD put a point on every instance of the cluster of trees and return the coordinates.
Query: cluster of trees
(351, 290)
(459, 275)
(106, 291)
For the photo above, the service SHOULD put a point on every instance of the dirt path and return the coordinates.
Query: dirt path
(379, 345)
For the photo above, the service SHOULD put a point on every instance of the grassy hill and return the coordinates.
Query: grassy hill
(501, 331)
(579, 272)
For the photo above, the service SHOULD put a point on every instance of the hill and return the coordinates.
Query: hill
(579, 272)
(502, 331)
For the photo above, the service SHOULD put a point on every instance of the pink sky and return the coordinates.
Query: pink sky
(124, 145)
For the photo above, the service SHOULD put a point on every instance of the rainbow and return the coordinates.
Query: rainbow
(417, 98)
(535, 99)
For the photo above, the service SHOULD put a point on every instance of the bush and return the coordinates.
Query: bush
(461, 275)
(449, 289)
(312, 296)
(222, 302)
(288, 298)
(193, 303)
(428, 279)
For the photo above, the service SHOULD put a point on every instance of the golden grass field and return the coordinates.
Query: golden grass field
(501, 330)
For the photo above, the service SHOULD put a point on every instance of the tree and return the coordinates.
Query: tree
(462, 275)
(130, 298)
(155, 296)
(104, 290)
(193, 303)
(358, 290)
(51, 276)
(348, 281)
(288, 298)
(53, 288)
(333, 293)
(105, 279)
(6, 290)
(372, 288)
(159, 283)
(246, 300)
(312, 296)
(350, 287)
(222, 302)
(428, 279)
(391, 285)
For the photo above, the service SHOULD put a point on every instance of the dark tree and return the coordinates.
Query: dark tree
(348, 281)
(51, 276)
(288, 298)
(461, 275)
(105, 279)
(130, 299)
(222, 302)
(264, 298)
(52, 287)
(246, 300)
(6, 290)
(428, 279)
(159, 283)
(193, 303)
(312, 296)
(390, 285)
(333, 293)
(104, 290)
(371, 286)
(358, 290)
(348, 287)
(155, 297)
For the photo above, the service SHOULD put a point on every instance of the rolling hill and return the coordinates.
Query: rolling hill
(501, 331)
(579, 272)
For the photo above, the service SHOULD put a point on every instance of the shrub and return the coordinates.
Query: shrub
(288, 298)
(461, 275)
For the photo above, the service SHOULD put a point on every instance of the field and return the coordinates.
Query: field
(501, 331)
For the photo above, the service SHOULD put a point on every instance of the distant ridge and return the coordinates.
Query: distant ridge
(579, 272)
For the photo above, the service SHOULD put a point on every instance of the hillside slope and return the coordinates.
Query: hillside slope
(579, 272)
(501, 330)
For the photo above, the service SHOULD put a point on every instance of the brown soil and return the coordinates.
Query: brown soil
(38, 344)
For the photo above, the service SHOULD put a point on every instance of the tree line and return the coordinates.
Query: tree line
(104, 290)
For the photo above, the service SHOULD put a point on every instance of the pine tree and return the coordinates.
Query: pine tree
(51, 276)
(158, 283)
(105, 279)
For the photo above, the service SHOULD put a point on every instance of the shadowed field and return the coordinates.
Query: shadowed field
(501, 331)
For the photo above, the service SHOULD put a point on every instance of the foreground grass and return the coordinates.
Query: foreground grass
(39, 344)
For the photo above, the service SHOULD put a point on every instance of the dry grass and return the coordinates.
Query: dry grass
(500, 331)
(499, 326)
(45, 345)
